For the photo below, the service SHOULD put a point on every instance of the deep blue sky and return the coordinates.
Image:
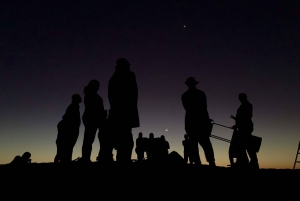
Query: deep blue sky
(50, 51)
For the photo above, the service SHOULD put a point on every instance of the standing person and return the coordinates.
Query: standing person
(197, 122)
(93, 117)
(68, 131)
(187, 149)
(123, 99)
(244, 124)
(140, 147)
(150, 146)
(165, 146)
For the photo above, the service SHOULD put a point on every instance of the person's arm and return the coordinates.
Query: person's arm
(184, 102)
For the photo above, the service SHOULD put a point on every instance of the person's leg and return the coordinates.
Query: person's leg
(194, 151)
(252, 154)
(88, 139)
(208, 150)
(71, 143)
(57, 157)
(125, 145)
(185, 157)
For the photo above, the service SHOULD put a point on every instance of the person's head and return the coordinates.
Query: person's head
(151, 135)
(186, 136)
(191, 82)
(76, 98)
(92, 87)
(163, 137)
(122, 65)
(140, 134)
(26, 156)
(243, 97)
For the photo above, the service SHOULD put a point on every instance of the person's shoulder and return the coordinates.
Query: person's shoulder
(185, 93)
(200, 91)
(248, 104)
(73, 106)
(131, 75)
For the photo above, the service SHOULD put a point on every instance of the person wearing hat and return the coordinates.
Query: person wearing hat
(197, 121)
(123, 99)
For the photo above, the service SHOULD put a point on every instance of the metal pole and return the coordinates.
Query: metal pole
(222, 125)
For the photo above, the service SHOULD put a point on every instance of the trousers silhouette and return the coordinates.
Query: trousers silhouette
(207, 147)
(88, 139)
(124, 144)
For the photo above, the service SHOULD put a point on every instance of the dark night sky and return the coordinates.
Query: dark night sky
(49, 51)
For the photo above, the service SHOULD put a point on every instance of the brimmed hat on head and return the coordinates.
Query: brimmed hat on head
(191, 81)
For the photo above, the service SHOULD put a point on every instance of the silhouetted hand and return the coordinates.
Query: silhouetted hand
(232, 117)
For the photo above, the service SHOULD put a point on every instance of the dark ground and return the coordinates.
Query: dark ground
(147, 181)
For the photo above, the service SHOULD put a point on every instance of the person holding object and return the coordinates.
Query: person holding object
(244, 126)
(198, 125)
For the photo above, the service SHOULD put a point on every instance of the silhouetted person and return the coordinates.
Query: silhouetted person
(187, 149)
(237, 151)
(165, 146)
(22, 160)
(150, 146)
(244, 125)
(197, 122)
(141, 147)
(93, 118)
(68, 131)
(123, 99)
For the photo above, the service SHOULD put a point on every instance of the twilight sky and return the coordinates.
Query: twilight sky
(49, 51)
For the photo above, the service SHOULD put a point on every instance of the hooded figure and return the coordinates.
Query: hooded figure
(123, 98)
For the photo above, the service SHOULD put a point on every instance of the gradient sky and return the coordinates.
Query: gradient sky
(49, 51)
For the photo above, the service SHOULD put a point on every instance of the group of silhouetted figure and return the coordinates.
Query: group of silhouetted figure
(155, 148)
(114, 126)
(198, 126)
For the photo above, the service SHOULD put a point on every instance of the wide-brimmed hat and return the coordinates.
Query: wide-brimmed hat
(191, 81)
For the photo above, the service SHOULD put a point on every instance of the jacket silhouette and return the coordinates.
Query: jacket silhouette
(244, 125)
(123, 99)
(68, 131)
(93, 117)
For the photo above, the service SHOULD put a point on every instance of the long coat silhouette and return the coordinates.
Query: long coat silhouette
(123, 99)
